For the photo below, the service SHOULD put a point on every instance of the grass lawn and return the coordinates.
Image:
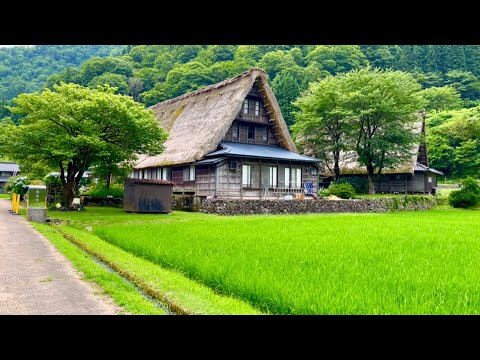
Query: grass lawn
(397, 263)
(4, 196)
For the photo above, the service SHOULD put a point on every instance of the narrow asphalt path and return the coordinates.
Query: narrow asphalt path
(36, 279)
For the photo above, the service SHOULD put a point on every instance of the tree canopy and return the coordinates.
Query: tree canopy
(72, 128)
(370, 112)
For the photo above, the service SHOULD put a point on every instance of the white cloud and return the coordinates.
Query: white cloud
(13, 45)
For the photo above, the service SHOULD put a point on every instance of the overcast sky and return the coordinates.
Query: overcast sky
(13, 45)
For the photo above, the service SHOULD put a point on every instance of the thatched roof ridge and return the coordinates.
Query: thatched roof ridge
(207, 88)
(350, 166)
(198, 121)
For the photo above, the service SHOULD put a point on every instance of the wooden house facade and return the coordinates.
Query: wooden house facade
(414, 177)
(7, 170)
(229, 140)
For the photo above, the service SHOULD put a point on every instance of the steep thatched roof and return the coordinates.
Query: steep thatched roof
(198, 121)
(350, 166)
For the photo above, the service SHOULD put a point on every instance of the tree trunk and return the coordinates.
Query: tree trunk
(371, 186)
(336, 170)
(371, 180)
(108, 179)
(67, 193)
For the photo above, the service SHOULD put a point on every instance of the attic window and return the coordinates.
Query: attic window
(245, 106)
(257, 108)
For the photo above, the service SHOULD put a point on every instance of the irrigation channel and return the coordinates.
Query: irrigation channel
(144, 289)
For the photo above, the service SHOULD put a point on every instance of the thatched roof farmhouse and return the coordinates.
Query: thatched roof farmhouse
(229, 140)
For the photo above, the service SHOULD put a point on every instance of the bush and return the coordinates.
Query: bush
(100, 191)
(53, 179)
(468, 196)
(360, 184)
(471, 185)
(343, 191)
(17, 185)
(463, 199)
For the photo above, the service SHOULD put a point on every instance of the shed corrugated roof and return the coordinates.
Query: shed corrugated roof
(260, 151)
(9, 167)
(149, 181)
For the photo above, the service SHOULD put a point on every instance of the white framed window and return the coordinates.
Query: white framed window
(257, 108)
(273, 177)
(313, 171)
(245, 106)
(287, 178)
(246, 175)
(147, 174)
(265, 134)
(296, 178)
(189, 173)
(430, 179)
(167, 173)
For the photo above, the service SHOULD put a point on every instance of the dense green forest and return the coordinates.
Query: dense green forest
(25, 69)
(153, 73)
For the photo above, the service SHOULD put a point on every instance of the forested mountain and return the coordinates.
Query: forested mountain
(25, 69)
(153, 73)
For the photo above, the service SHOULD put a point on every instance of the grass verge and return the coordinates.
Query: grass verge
(181, 294)
(122, 292)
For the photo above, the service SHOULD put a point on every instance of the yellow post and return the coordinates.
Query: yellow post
(13, 201)
(17, 206)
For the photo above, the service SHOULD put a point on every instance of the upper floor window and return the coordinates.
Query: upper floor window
(235, 131)
(257, 108)
(265, 134)
(245, 106)
(251, 132)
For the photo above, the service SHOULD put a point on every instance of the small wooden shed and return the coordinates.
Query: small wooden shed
(147, 196)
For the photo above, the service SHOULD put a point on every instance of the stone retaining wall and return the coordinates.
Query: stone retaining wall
(245, 207)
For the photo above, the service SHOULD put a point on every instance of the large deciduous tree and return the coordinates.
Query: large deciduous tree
(442, 98)
(369, 112)
(72, 128)
(323, 126)
(385, 107)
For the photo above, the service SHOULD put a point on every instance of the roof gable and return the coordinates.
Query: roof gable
(198, 121)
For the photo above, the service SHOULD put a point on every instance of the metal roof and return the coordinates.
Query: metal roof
(9, 167)
(260, 151)
(208, 161)
(423, 168)
(149, 181)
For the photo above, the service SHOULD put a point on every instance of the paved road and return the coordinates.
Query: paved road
(36, 279)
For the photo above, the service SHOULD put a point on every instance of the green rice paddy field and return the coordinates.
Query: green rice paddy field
(397, 263)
